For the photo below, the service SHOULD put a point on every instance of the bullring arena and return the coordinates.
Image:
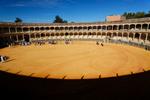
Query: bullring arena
(122, 49)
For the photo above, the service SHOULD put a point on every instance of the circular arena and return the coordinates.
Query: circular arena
(76, 50)
(79, 59)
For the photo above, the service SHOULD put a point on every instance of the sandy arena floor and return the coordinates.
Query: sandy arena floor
(75, 60)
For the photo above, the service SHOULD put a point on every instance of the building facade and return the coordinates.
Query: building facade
(136, 30)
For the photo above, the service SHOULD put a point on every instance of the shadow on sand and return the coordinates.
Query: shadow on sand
(136, 86)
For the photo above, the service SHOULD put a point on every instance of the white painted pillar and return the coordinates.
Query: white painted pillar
(23, 37)
(17, 37)
(140, 37)
(9, 30)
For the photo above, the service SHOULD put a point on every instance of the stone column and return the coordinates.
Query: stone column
(140, 36)
(17, 37)
(128, 36)
(9, 30)
(10, 37)
(23, 37)
(29, 37)
(146, 36)
(133, 36)
(16, 29)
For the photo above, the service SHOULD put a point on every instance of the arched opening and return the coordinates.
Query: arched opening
(56, 28)
(42, 29)
(19, 29)
(80, 28)
(143, 36)
(98, 34)
(61, 28)
(75, 28)
(70, 28)
(145, 26)
(71, 34)
(103, 34)
(47, 28)
(93, 33)
(85, 28)
(115, 27)
(20, 38)
(42, 35)
(125, 35)
(94, 27)
(52, 28)
(52, 34)
(66, 34)
(89, 28)
(32, 35)
(126, 27)
(138, 26)
(47, 34)
(38, 35)
(57, 34)
(137, 35)
(109, 34)
(104, 27)
(84, 33)
(26, 37)
(99, 27)
(61, 34)
(66, 28)
(80, 33)
(109, 27)
(132, 26)
(13, 38)
(5, 30)
(25, 29)
(75, 33)
(114, 34)
(31, 29)
(12, 29)
(37, 29)
(131, 35)
(89, 33)
(119, 34)
(121, 27)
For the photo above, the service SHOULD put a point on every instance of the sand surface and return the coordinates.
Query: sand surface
(81, 58)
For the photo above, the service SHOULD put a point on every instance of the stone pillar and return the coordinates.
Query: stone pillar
(128, 36)
(16, 29)
(10, 37)
(35, 35)
(140, 36)
(148, 27)
(146, 36)
(23, 37)
(133, 36)
(9, 30)
(29, 37)
(129, 27)
(17, 37)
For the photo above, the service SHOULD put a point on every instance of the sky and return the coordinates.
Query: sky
(44, 11)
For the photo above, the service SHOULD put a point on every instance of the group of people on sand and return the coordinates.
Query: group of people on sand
(68, 41)
(97, 43)
(52, 42)
(3, 58)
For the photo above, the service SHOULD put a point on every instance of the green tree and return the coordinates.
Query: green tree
(130, 15)
(18, 20)
(58, 19)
